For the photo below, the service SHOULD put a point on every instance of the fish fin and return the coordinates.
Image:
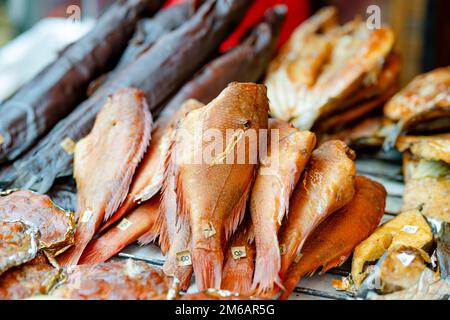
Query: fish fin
(235, 218)
(122, 189)
(208, 268)
(124, 208)
(335, 262)
(267, 268)
(97, 251)
(238, 282)
(148, 237)
(289, 286)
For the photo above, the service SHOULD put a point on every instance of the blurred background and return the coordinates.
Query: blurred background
(422, 26)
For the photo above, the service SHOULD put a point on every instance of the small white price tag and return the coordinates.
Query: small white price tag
(283, 249)
(405, 258)
(2, 139)
(184, 258)
(86, 215)
(410, 229)
(238, 252)
(124, 224)
(297, 259)
(68, 145)
(208, 230)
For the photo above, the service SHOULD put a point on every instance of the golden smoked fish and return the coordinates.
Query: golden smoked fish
(213, 176)
(326, 186)
(277, 177)
(239, 264)
(139, 221)
(149, 176)
(334, 239)
(105, 162)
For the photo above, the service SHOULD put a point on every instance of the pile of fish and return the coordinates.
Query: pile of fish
(176, 145)
(329, 77)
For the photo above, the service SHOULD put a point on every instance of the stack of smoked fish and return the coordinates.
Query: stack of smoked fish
(334, 79)
(397, 259)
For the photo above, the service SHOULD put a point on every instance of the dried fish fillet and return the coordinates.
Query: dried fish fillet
(334, 239)
(116, 144)
(116, 280)
(409, 228)
(18, 244)
(277, 177)
(326, 186)
(55, 226)
(216, 208)
(427, 186)
(434, 147)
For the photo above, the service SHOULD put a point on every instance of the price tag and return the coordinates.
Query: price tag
(283, 249)
(297, 259)
(86, 216)
(405, 258)
(68, 145)
(238, 252)
(208, 230)
(410, 229)
(184, 258)
(124, 224)
(2, 139)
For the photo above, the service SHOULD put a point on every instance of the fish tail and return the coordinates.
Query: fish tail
(99, 251)
(338, 261)
(207, 268)
(236, 281)
(126, 206)
(268, 263)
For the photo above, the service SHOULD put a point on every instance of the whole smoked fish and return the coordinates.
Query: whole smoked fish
(334, 239)
(158, 73)
(246, 62)
(326, 186)
(56, 90)
(105, 162)
(277, 177)
(135, 224)
(212, 193)
(149, 176)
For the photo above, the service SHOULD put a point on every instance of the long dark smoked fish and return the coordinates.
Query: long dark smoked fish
(158, 73)
(55, 91)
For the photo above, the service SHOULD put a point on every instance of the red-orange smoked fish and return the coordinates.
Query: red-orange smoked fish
(135, 224)
(277, 177)
(334, 239)
(239, 264)
(150, 174)
(326, 186)
(105, 162)
(213, 181)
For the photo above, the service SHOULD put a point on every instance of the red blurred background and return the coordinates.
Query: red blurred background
(298, 11)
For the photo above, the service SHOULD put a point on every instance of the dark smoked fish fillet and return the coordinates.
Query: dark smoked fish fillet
(55, 91)
(158, 73)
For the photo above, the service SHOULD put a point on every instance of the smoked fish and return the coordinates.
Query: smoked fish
(61, 86)
(326, 186)
(334, 239)
(139, 221)
(105, 161)
(277, 177)
(212, 192)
